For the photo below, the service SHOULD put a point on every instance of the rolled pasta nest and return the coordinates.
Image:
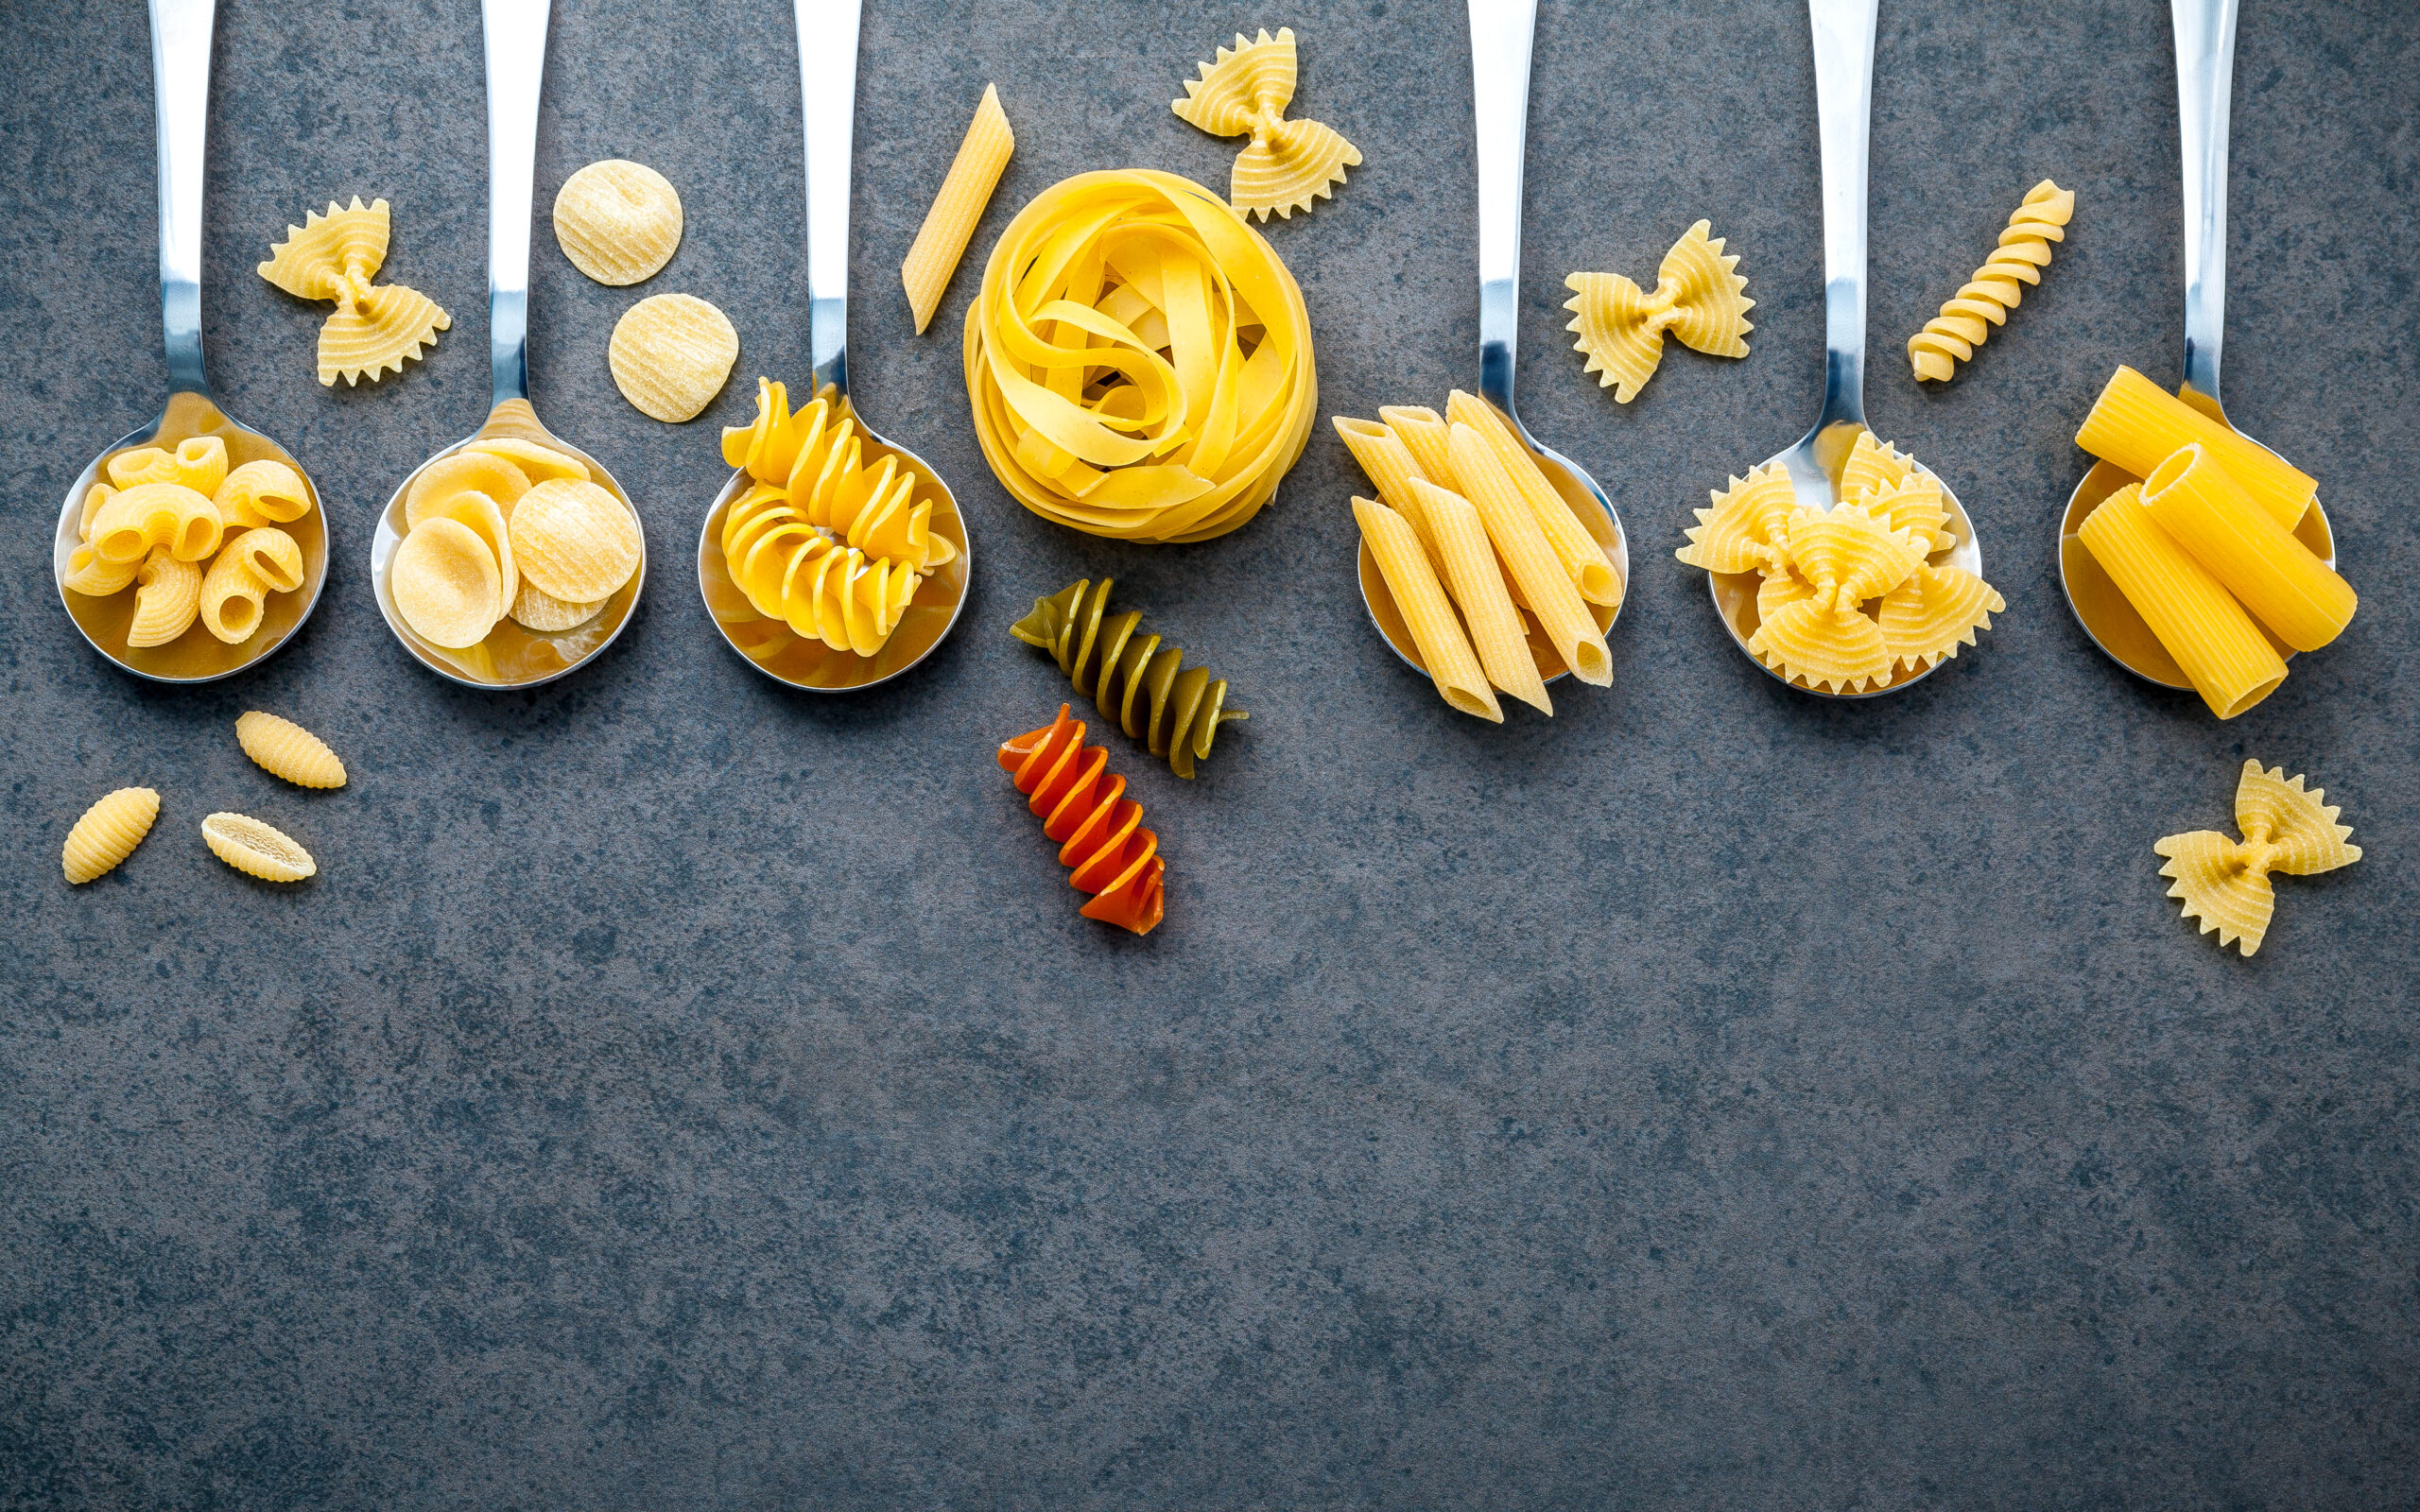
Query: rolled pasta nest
(1139, 360)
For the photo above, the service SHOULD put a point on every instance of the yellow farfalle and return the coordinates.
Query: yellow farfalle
(1697, 299)
(334, 257)
(2224, 882)
(1290, 163)
(1827, 644)
(1748, 527)
(1927, 618)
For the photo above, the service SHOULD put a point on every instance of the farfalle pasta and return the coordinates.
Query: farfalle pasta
(1965, 322)
(1697, 300)
(375, 326)
(1847, 599)
(1100, 828)
(1138, 360)
(1136, 682)
(1245, 93)
(2224, 882)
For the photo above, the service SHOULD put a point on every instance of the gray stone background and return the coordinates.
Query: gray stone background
(675, 1093)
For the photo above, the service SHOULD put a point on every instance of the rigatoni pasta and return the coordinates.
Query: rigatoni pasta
(2230, 663)
(940, 241)
(2194, 501)
(2135, 425)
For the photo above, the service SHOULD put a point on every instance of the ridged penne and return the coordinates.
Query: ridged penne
(1444, 649)
(1528, 559)
(1477, 586)
(940, 241)
(1388, 465)
(1583, 561)
(167, 599)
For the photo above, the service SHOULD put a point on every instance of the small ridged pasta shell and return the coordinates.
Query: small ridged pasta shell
(671, 353)
(166, 601)
(108, 833)
(284, 748)
(618, 221)
(256, 848)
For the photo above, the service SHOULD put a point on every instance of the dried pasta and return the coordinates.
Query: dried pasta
(156, 516)
(1591, 573)
(1099, 830)
(1528, 559)
(258, 849)
(2286, 586)
(267, 493)
(88, 575)
(534, 609)
(671, 353)
(376, 327)
(284, 748)
(1411, 578)
(1965, 322)
(198, 463)
(575, 540)
(2230, 663)
(2224, 882)
(1245, 93)
(107, 833)
(535, 463)
(167, 599)
(252, 565)
(446, 584)
(1698, 299)
(1476, 581)
(618, 221)
(940, 241)
(2135, 425)
(1391, 468)
(1138, 360)
(1175, 713)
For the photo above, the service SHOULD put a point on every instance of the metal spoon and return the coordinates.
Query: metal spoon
(827, 69)
(512, 656)
(1501, 31)
(1843, 33)
(181, 32)
(2205, 79)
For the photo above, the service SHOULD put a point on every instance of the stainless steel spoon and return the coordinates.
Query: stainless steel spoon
(827, 68)
(1843, 33)
(2205, 79)
(1501, 32)
(180, 31)
(512, 656)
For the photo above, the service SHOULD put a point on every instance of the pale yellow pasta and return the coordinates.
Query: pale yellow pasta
(253, 565)
(163, 515)
(1477, 584)
(534, 609)
(1937, 610)
(2135, 425)
(469, 471)
(1391, 471)
(575, 540)
(1245, 93)
(376, 327)
(1444, 649)
(1697, 299)
(267, 493)
(1422, 434)
(2224, 883)
(2230, 663)
(536, 463)
(1965, 322)
(479, 512)
(258, 849)
(965, 190)
(167, 597)
(2274, 575)
(1583, 561)
(446, 584)
(671, 354)
(284, 748)
(88, 575)
(1845, 557)
(1528, 559)
(99, 494)
(618, 221)
(108, 833)
(198, 463)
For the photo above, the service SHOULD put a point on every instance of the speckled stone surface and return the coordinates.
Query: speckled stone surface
(674, 1093)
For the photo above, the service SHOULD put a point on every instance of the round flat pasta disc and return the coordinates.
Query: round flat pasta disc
(446, 584)
(537, 463)
(536, 610)
(618, 221)
(671, 353)
(575, 540)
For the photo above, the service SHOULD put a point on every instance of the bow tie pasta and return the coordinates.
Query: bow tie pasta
(1697, 297)
(1288, 163)
(376, 327)
(2224, 882)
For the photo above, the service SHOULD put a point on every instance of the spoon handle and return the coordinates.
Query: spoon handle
(1845, 109)
(181, 79)
(827, 76)
(1501, 31)
(2205, 80)
(516, 42)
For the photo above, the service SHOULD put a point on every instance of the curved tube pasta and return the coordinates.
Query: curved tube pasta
(267, 493)
(1126, 672)
(168, 516)
(1100, 828)
(1116, 381)
(1965, 322)
(253, 565)
(198, 463)
(165, 600)
(88, 575)
(107, 833)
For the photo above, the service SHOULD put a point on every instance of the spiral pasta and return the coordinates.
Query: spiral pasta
(1098, 828)
(108, 833)
(1965, 322)
(1138, 359)
(1124, 672)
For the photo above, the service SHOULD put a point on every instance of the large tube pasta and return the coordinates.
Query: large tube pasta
(1583, 561)
(1443, 649)
(1477, 586)
(2136, 425)
(2206, 511)
(2230, 662)
(1391, 470)
(1528, 557)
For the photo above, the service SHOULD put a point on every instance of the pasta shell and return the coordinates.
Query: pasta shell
(284, 748)
(108, 833)
(166, 601)
(258, 849)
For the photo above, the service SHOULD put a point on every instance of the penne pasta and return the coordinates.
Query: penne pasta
(2202, 508)
(2230, 663)
(1445, 650)
(1391, 468)
(1422, 434)
(2136, 425)
(982, 157)
(1583, 561)
(1528, 557)
(1477, 587)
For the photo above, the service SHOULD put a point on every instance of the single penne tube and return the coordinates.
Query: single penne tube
(2135, 424)
(2231, 664)
(1391, 470)
(1477, 587)
(1583, 561)
(2202, 508)
(1532, 563)
(966, 189)
(1422, 434)
(1445, 650)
